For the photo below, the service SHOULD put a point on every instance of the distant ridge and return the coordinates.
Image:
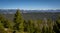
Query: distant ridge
(12, 11)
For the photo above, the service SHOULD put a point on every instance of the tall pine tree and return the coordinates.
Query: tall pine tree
(30, 27)
(18, 20)
(56, 26)
(2, 29)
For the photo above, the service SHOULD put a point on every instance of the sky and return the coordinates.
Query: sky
(30, 4)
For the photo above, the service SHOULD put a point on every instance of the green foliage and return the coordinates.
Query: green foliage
(18, 20)
(30, 26)
(44, 29)
(39, 21)
(8, 24)
(56, 27)
(38, 27)
(25, 25)
(2, 28)
(37, 30)
(18, 17)
(50, 26)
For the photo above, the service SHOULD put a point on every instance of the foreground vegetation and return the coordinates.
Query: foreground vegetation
(19, 25)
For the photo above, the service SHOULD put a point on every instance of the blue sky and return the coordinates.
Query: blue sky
(30, 4)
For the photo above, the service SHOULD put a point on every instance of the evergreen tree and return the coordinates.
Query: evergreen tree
(47, 30)
(56, 26)
(38, 27)
(30, 27)
(44, 29)
(2, 19)
(8, 24)
(50, 26)
(18, 20)
(25, 25)
(2, 30)
(37, 30)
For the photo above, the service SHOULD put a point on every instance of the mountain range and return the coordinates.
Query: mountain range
(12, 11)
(31, 14)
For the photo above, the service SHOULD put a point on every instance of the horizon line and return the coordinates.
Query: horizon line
(29, 9)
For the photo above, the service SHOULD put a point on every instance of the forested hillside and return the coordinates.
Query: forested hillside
(36, 16)
(30, 22)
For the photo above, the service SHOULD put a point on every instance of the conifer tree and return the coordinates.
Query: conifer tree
(25, 25)
(2, 29)
(44, 29)
(38, 28)
(18, 20)
(30, 27)
(50, 26)
(8, 24)
(56, 26)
